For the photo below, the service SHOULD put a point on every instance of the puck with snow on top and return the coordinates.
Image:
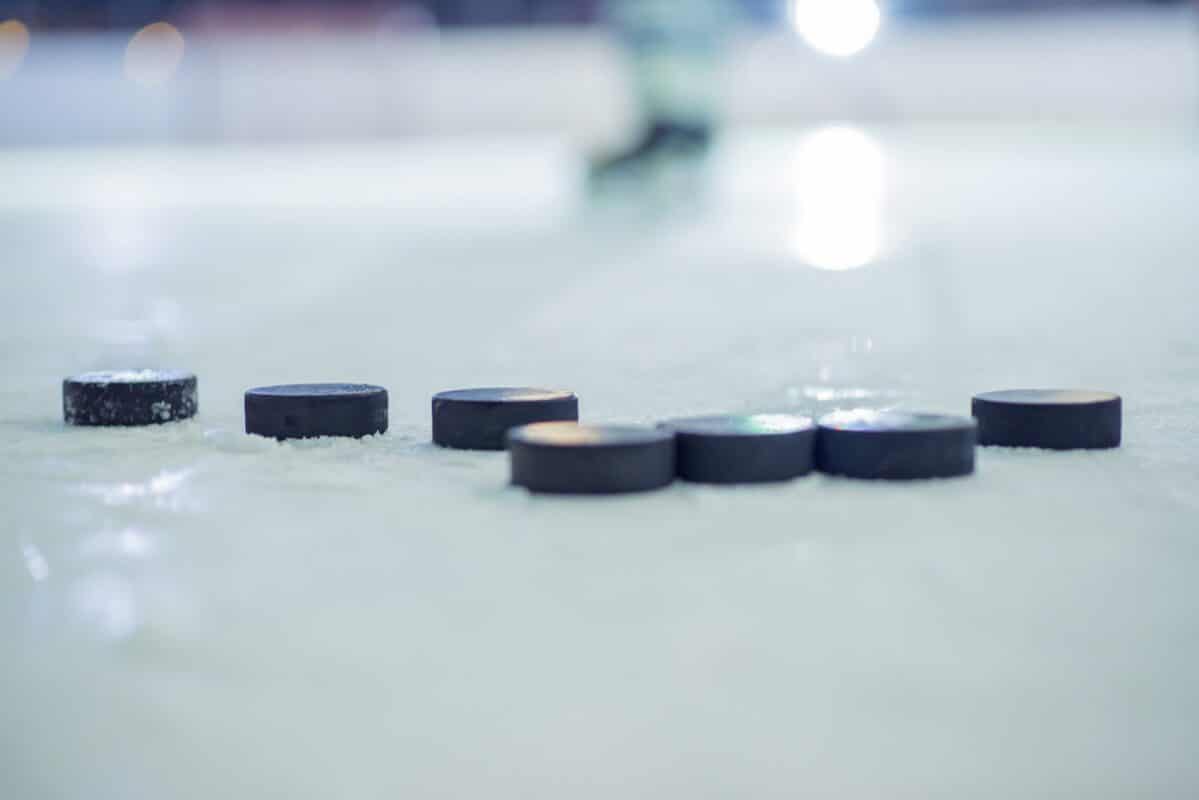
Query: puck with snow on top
(754, 448)
(895, 445)
(309, 410)
(479, 419)
(1054, 419)
(569, 458)
(129, 397)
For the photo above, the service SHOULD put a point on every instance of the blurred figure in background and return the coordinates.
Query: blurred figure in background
(676, 54)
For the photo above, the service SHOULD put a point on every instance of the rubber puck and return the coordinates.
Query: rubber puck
(1055, 419)
(568, 458)
(129, 397)
(479, 419)
(757, 448)
(895, 445)
(306, 411)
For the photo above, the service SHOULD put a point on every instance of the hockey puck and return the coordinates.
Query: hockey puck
(479, 419)
(306, 411)
(129, 397)
(1055, 419)
(758, 448)
(895, 445)
(568, 458)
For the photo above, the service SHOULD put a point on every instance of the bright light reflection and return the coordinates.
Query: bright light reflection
(828, 394)
(35, 562)
(836, 27)
(14, 44)
(839, 184)
(106, 603)
(157, 488)
(153, 54)
(130, 543)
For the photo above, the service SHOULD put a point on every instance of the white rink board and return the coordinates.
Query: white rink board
(191, 613)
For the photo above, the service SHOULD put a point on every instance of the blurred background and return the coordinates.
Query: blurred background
(86, 71)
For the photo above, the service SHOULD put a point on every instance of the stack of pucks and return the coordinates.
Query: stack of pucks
(895, 445)
(129, 397)
(479, 419)
(753, 448)
(309, 410)
(1055, 419)
(569, 458)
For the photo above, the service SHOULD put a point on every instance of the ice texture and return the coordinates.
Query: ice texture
(190, 613)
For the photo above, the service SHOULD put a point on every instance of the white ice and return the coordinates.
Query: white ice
(187, 612)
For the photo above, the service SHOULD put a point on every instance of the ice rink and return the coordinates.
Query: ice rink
(188, 612)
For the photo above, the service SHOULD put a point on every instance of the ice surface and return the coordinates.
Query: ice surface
(189, 612)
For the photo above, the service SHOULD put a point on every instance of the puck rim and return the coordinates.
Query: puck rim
(316, 391)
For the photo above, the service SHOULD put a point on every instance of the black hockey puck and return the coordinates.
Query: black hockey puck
(479, 419)
(895, 445)
(568, 458)
(1055, 419)
(757, 448)
(129, 397)
(306, 411)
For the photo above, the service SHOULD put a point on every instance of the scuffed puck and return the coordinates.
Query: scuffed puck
(1055, 419)
(479, 419)
(895, 445)
(309, 410)
(568, 458)
(129, 397)
(757, 448)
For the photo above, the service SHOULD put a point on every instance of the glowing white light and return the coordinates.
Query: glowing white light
(836, 27)
(839, 186)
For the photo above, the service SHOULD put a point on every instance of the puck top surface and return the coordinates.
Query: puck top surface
(741, 425)
(572, 434)
(504, 395)
(1048, 397)
(317, 390)
(865, 421)
(105, 377)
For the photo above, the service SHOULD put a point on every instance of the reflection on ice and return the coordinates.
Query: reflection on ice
(106, 603)
(828, 394)
(839, 174)
(159, 488)
(35, 562)
(130, 543)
